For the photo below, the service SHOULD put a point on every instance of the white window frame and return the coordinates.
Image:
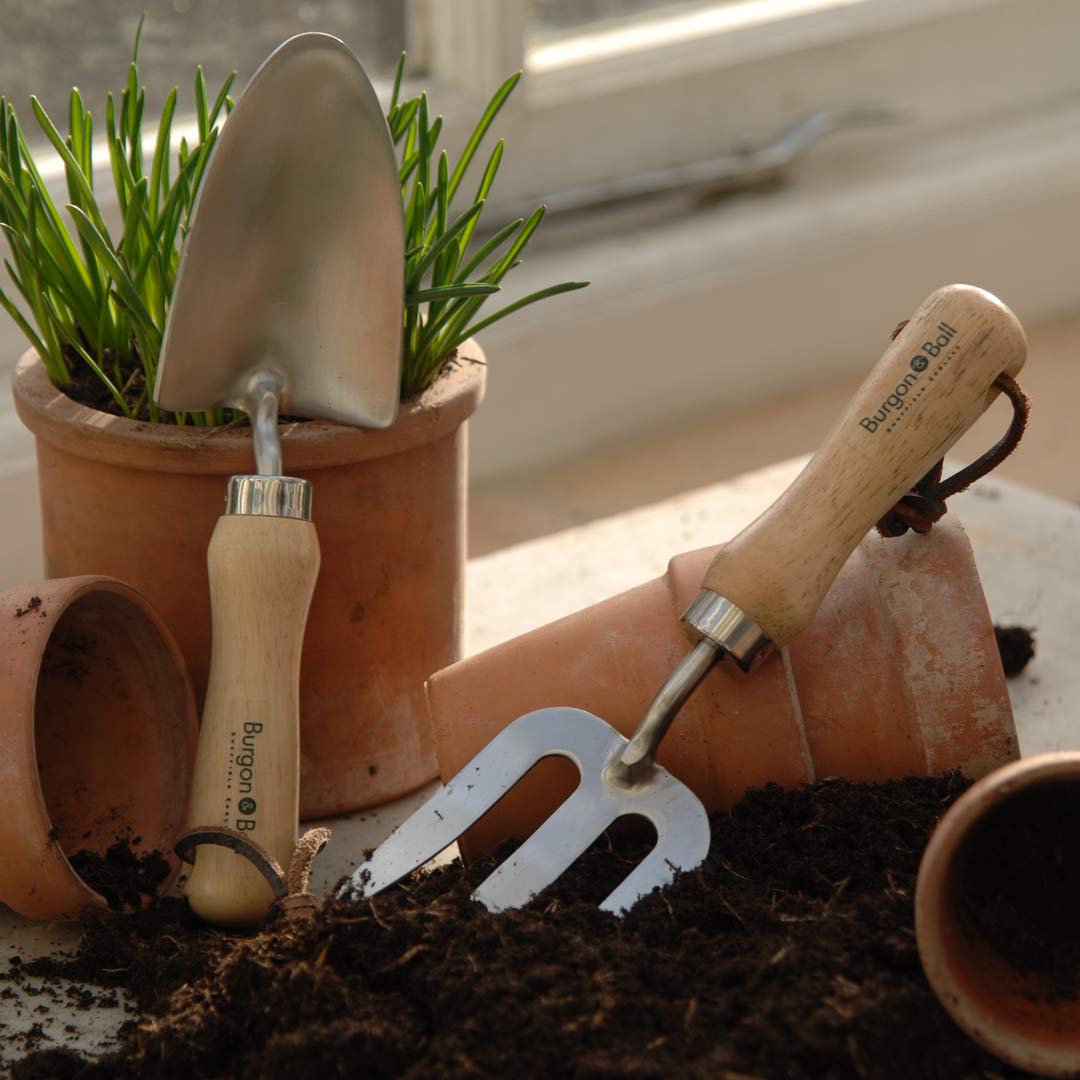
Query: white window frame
(698, 85)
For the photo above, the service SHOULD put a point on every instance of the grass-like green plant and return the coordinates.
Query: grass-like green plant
(444, 271)
(102, 301)
(95, 299)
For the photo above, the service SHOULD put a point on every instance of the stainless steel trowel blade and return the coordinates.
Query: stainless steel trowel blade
(682, 826)
(294, 262)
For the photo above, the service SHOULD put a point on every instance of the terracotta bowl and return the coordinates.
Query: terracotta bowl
(1000, 873)
(98, 729)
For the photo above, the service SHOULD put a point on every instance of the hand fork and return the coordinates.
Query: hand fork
(761, 589)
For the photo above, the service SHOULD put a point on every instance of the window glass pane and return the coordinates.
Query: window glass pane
(48, 46)
(550, 20)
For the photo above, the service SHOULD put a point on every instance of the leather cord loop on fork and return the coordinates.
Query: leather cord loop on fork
(925, 505)
(290, 888)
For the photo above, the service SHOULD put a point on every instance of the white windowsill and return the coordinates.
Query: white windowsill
(763, 294)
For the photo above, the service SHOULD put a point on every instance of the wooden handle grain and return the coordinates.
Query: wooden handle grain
(930, 386)
(262, 574)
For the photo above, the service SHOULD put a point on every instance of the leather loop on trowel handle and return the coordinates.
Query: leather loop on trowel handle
(934, 381)
(262, 574)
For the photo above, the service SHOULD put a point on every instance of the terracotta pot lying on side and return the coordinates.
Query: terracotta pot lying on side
(996, 910)
(97, 737)
(898, 674)
(139, 502)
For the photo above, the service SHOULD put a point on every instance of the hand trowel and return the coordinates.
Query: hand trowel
(760, 591)
(289, 300)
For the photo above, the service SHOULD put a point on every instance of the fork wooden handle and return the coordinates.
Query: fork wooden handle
(928, 388)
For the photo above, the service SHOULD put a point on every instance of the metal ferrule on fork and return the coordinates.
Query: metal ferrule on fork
(722, 629)
(715, 617)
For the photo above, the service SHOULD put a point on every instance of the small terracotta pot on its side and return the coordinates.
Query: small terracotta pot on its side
(898, 674)
(997, 913)
(389, 508)
(98, 730)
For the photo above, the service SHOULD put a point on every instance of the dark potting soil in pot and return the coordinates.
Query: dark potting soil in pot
(1022, 881)
(87, 389)
(790, 953)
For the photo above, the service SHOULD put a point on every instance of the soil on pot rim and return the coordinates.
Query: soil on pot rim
(790, 953)
(33, 604)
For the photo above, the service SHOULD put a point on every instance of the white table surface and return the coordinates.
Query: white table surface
(1026, 545)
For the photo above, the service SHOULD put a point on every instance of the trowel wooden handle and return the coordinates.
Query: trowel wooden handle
(262, 574)
(931, 385)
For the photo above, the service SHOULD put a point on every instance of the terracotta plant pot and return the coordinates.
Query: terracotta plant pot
(389, 507)
(1002, 871)
(897, 674)
(97, 737)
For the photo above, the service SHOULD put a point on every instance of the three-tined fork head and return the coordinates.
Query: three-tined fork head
(602, 796)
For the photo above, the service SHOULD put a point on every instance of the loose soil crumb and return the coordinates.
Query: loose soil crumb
(122, 877)
(1017, 647)
(33, 604)
(790, 953)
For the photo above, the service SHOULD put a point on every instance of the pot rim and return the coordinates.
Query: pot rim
(931, 891)
(67, 891)
(312, 444)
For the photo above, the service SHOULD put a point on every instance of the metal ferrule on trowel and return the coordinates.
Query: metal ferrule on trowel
(267, 493)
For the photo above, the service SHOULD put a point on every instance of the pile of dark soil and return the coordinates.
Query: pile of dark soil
(790, 953)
